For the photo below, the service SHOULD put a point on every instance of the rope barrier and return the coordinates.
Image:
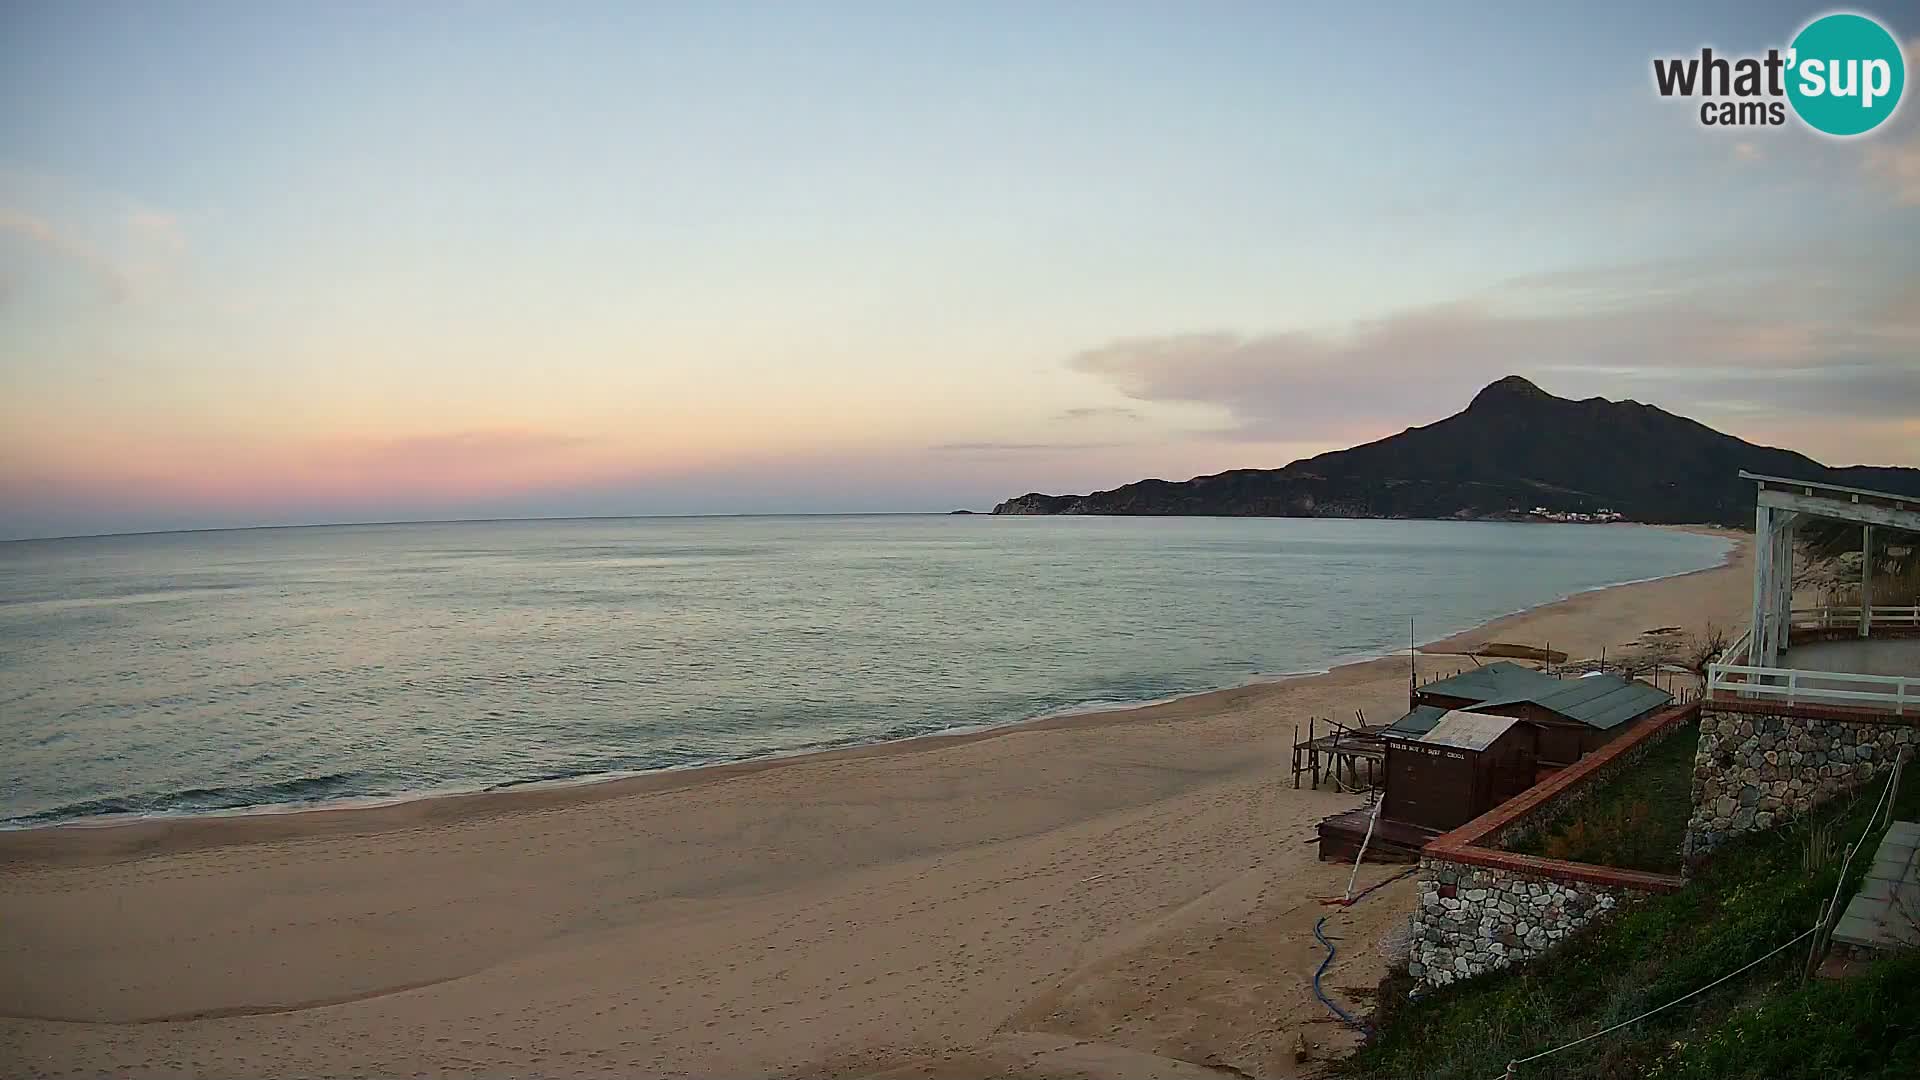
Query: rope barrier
(1383, 882)
(1816, 928)
(1372, 820)
(1783, 947)
(1892, 775)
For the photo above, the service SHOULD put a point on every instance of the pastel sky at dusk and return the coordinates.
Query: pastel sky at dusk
(279, 263)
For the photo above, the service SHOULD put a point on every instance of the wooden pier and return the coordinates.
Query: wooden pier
(1355, 755)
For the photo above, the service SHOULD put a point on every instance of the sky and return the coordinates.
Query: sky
(268, 263)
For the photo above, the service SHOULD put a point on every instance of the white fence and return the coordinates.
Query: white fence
(1794, 686)
(1736, 653)
(1840, 618)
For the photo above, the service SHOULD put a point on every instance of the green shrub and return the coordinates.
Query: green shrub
(1753, 895)
(1634, 820)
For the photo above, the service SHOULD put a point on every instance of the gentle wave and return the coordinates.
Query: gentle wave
(383, 665)
(294, 792)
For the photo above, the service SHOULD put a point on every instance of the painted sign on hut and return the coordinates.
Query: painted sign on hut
(1464, 765)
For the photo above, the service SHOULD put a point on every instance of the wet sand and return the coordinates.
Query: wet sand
(1113, 894)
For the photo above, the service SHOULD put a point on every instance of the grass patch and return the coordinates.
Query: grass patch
(1634, 821)
(1758, 892)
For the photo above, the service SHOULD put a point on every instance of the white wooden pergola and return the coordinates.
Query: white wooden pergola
(1752, 664)
(1779, 508)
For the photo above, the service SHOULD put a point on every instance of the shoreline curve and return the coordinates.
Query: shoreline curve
(114, 837)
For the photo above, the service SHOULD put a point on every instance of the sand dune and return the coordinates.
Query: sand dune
(1112, 895)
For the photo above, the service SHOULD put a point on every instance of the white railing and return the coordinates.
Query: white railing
(1828, 618)
(1795, 686)
(1733, 673)
(1736, 653)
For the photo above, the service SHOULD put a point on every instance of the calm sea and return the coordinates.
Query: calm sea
(195, 672)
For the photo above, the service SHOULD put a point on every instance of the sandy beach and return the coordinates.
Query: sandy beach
(1116, 894)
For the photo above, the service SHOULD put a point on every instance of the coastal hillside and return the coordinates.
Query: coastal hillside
(1769, 1023)
(1514, 448)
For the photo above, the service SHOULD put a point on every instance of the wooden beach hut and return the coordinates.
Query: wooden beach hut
(1505, 679)
(1442, 768)
(1575, 716)
(1473, 741)
(1580, 715)
(1463, 766)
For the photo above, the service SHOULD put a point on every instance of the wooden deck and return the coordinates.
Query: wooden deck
(1355, 756)
(1393, 841)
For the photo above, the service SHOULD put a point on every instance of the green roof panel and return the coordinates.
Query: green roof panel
(1495, 681)
(1599, 701)
(1418, 722)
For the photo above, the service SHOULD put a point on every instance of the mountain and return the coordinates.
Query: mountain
(1515, 447)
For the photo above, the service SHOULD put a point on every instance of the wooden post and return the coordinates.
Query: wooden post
(1296, 757)
(1893, 785)
(1313, 754)
(1813, 951)
(1866, 580)
(1413, 669)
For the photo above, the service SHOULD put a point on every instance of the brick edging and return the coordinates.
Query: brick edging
(1462, 845)
(1560, 869)
(1846, 714)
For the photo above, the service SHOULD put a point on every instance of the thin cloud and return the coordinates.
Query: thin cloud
(1018, 447)
(142, 249)
(1896, 166)
(113, 281)
(157, 229)
(1767, 346)
(1102, 412)
(1893, 160)
(466, 447)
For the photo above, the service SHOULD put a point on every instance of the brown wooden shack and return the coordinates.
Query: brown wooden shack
(1519, 722)
(1575, 716)
(1466, 765)
(1504, 679)
(1581, 715)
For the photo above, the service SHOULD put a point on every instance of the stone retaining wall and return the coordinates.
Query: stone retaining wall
(1761, 764)
(1482, 908)
(1475, 919)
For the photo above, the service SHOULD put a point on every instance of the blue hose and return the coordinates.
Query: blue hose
(1343, 1014)
(1321, 994)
